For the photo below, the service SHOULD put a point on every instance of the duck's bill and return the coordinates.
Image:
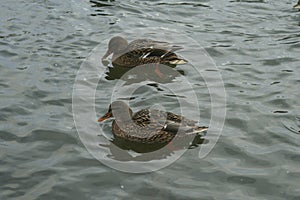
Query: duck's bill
(105, 117)
(106, 54)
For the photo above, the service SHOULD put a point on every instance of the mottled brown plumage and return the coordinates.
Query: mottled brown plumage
(142, 51)
(148, 126)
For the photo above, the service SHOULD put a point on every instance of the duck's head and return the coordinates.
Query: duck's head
(116, 45)
(298, 5)
(119, 110)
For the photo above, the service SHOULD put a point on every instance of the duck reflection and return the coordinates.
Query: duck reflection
(120, 149)
(143, 72)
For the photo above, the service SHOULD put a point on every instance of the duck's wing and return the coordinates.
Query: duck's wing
(142, 117)
(149, 127)
(153, 118)
(179, 128)
(144, 48)
(147, 116)
(179, 124)
(166, 121)
(174, 118)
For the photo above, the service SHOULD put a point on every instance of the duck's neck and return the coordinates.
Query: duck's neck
(124, 116)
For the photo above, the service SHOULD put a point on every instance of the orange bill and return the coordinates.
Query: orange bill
(105, 117)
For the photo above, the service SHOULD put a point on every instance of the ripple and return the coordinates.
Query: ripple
(255, 45)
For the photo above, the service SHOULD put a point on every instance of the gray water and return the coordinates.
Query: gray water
(255, 45)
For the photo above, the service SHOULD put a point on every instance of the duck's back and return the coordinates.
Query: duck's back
(160, 118)
(152, 45)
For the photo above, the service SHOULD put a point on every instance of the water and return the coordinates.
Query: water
(255, 45)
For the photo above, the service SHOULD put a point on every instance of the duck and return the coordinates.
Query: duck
(142, 51)
(149, 126)
(297, 5)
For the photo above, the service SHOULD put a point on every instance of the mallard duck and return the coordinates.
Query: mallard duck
(148, 126)
(298, 5)
(142, 51)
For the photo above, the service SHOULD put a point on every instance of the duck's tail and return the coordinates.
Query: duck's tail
(188, 130)
(178, 61)
(172, 59)
(197, 130)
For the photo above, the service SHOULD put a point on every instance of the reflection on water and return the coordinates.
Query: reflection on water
(131, 75)
(118, 145)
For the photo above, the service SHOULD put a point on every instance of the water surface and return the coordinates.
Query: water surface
(255, 45)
